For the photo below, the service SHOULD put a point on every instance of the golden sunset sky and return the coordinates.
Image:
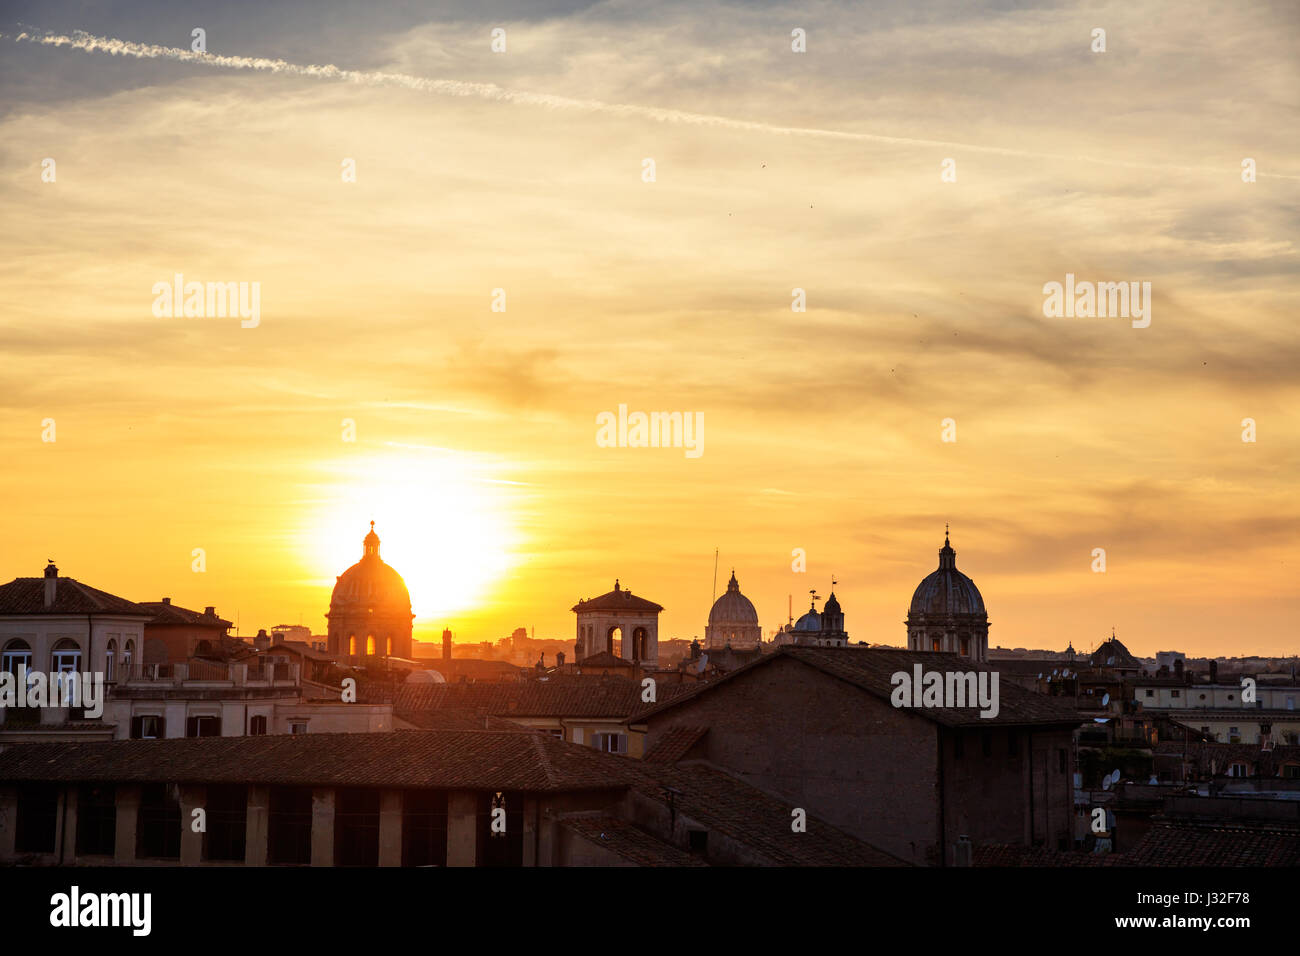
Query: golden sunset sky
(475, 449)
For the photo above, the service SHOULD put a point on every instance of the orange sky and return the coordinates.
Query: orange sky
(475, 448)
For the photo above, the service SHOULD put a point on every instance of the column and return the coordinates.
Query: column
(193, 797)
(257, 824)
(390, 828)
(322, 827)
(128, 813)
(462, 828)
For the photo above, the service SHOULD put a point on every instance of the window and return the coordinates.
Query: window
(424, 828)
(110, 658)
(227, 807)
(147, 727)
(557, 734)
(934, 643)
(356, 827)
(1175, 694)
(298, 728)
(1150, 692)
(1238, 770)
(66, 657)
(158, 826)
(390, 647)
(96, 820)
(16, 653)
(610, 743)
(352, 645)
(288, 829)
(128, 655)
(370, 645)
(1291, 771)
(965, 646)
(38, 815)
(257, 726)
(203, 726)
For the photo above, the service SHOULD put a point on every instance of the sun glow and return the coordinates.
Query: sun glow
(442, 526)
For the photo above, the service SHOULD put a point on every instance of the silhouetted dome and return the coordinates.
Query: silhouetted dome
(370, 584)
(733, 609)
(832, 605)
(947, 592)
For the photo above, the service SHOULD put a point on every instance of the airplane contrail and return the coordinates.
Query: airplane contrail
(89, 43)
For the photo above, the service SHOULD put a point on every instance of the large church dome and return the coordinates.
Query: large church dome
(946, 591)
(370, 609)
(733, 607)
(733, 622)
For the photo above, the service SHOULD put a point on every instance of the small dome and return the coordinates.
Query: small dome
(832, 605)
(733, 609)
(370, 583)
(812, 621)
(947, 592)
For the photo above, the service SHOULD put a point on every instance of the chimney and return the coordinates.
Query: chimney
(962, 851)
(167, 600)
(262, 641)
(209, 612)
(446, 643)
(51, 584)
(1214, 672)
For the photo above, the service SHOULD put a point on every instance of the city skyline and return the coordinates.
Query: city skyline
(438, 337)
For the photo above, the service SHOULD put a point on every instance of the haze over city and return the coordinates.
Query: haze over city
(475, 447)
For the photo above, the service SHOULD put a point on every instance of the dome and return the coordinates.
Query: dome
(425, 677)
(370, 584)
(947, 592)
(812, 621)
(733, 609)
(832, 605)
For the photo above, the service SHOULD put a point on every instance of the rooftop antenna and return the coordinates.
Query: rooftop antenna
(715, 578)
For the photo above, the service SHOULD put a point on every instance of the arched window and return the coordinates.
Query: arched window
(389, 652)
(640, 640)
(66, 657)
(370, 645)
(614, 641)
(936, 642)
(110, 658)
(17, 652)
(965, 646)
(128, 658)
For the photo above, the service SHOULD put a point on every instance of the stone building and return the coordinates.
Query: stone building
(370, 610)
(620, 623)
(947, 612)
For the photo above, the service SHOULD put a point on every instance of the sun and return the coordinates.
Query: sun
(442, 526)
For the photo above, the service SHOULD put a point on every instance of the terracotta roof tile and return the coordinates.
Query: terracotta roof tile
(27, 596)
(629, 841)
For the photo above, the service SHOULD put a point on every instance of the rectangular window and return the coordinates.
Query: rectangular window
(147, 727)
(289, 826)
(356, 827)
(424, 828)
(158, 825)
(257, 726)
(298, 728)
(227, 807)
(1150, 692)
(203, 727)
(96, 820)
(1176, 694)
(610, 743)
(38, 815)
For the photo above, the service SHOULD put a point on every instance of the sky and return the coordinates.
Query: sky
(217, 464)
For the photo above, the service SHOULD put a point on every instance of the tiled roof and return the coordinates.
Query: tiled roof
(1003, 854)
(619, 599)
(604, 659)
(629, 841)
(591, 696)
(674, 744)
(164, 612)
(477, 760)
(27, 596)
(1186, 843)
(756, 819)
(871, 669)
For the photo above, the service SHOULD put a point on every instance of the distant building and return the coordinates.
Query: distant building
(813, 629)
(733, 622)
(947, 612)
(620, 623)
(370, 610)
(174, 633)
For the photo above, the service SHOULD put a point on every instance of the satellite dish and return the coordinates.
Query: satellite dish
(1101, 720)
(1053, 671)
(1110, 660)
(1105, 700)
(1040, 675)
(1114, 777)
(1153, 780)
(1105, 782)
